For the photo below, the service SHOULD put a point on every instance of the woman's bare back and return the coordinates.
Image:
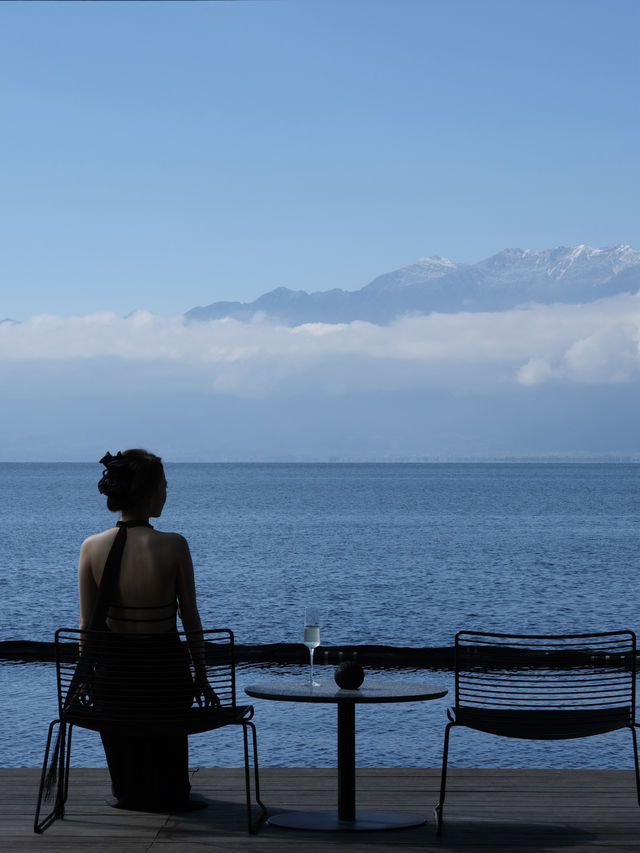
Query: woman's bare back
(155, 572)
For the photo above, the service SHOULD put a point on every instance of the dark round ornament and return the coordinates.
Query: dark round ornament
(349, 675)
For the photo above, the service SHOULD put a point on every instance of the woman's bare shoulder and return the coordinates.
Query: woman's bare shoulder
(94, 549)
(172, 540)
(97, 539)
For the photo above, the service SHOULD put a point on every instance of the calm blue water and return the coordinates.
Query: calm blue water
(401, 554)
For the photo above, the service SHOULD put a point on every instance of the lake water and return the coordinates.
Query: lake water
(399, 554)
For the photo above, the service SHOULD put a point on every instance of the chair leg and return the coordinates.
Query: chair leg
(56, 775)
(438, 811)
(256, 771)
(65, 790)
(635, 758)
(247, 776)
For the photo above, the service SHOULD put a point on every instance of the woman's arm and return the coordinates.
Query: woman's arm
(187, 588)
(87, 587)
(192, 623)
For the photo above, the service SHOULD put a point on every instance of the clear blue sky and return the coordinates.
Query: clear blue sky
(165, 155)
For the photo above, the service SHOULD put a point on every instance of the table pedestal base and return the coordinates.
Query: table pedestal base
(329, 820)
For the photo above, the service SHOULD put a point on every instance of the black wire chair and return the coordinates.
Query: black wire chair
(141, 686)
(543, 687)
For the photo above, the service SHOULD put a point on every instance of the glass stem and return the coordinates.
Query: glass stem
(311, 651)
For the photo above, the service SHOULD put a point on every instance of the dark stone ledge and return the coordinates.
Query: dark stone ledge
(368, 655)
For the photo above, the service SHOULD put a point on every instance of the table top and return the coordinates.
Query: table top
(373, 690)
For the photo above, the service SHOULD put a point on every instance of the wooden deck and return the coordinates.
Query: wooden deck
(538, 811)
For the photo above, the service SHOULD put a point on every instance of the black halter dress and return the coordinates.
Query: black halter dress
(147, 773)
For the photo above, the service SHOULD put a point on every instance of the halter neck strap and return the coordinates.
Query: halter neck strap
(134, 523)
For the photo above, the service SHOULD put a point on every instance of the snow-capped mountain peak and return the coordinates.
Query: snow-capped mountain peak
(584, 260)
(435, 262)
(508, 279)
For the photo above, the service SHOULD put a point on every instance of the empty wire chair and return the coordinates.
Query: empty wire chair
(140, 686)
(546, 687)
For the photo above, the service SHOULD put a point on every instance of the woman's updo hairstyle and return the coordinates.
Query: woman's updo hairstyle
(129, 477)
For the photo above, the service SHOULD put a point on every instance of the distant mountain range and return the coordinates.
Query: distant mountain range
(511, 278)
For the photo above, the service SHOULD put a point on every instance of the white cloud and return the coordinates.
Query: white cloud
(535, 372)
(593, 343)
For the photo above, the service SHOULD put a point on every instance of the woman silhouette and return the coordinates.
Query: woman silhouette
(152, 579)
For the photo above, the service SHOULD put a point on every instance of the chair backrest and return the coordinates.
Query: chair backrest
(529, 673)
(143, 683)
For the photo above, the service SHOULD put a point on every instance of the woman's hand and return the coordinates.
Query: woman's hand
(83, 694)
(204, 694)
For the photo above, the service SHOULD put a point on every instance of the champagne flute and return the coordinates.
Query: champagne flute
(312, 637)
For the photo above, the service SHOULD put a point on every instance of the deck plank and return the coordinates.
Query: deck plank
(573, 811)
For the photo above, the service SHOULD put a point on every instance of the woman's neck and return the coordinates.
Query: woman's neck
(133, 515)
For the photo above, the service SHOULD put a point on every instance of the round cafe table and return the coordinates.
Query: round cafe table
(371, 692)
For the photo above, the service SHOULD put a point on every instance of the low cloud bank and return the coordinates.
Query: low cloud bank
(596, 343)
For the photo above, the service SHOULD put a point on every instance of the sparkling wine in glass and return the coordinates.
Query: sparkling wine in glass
(312, 637)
